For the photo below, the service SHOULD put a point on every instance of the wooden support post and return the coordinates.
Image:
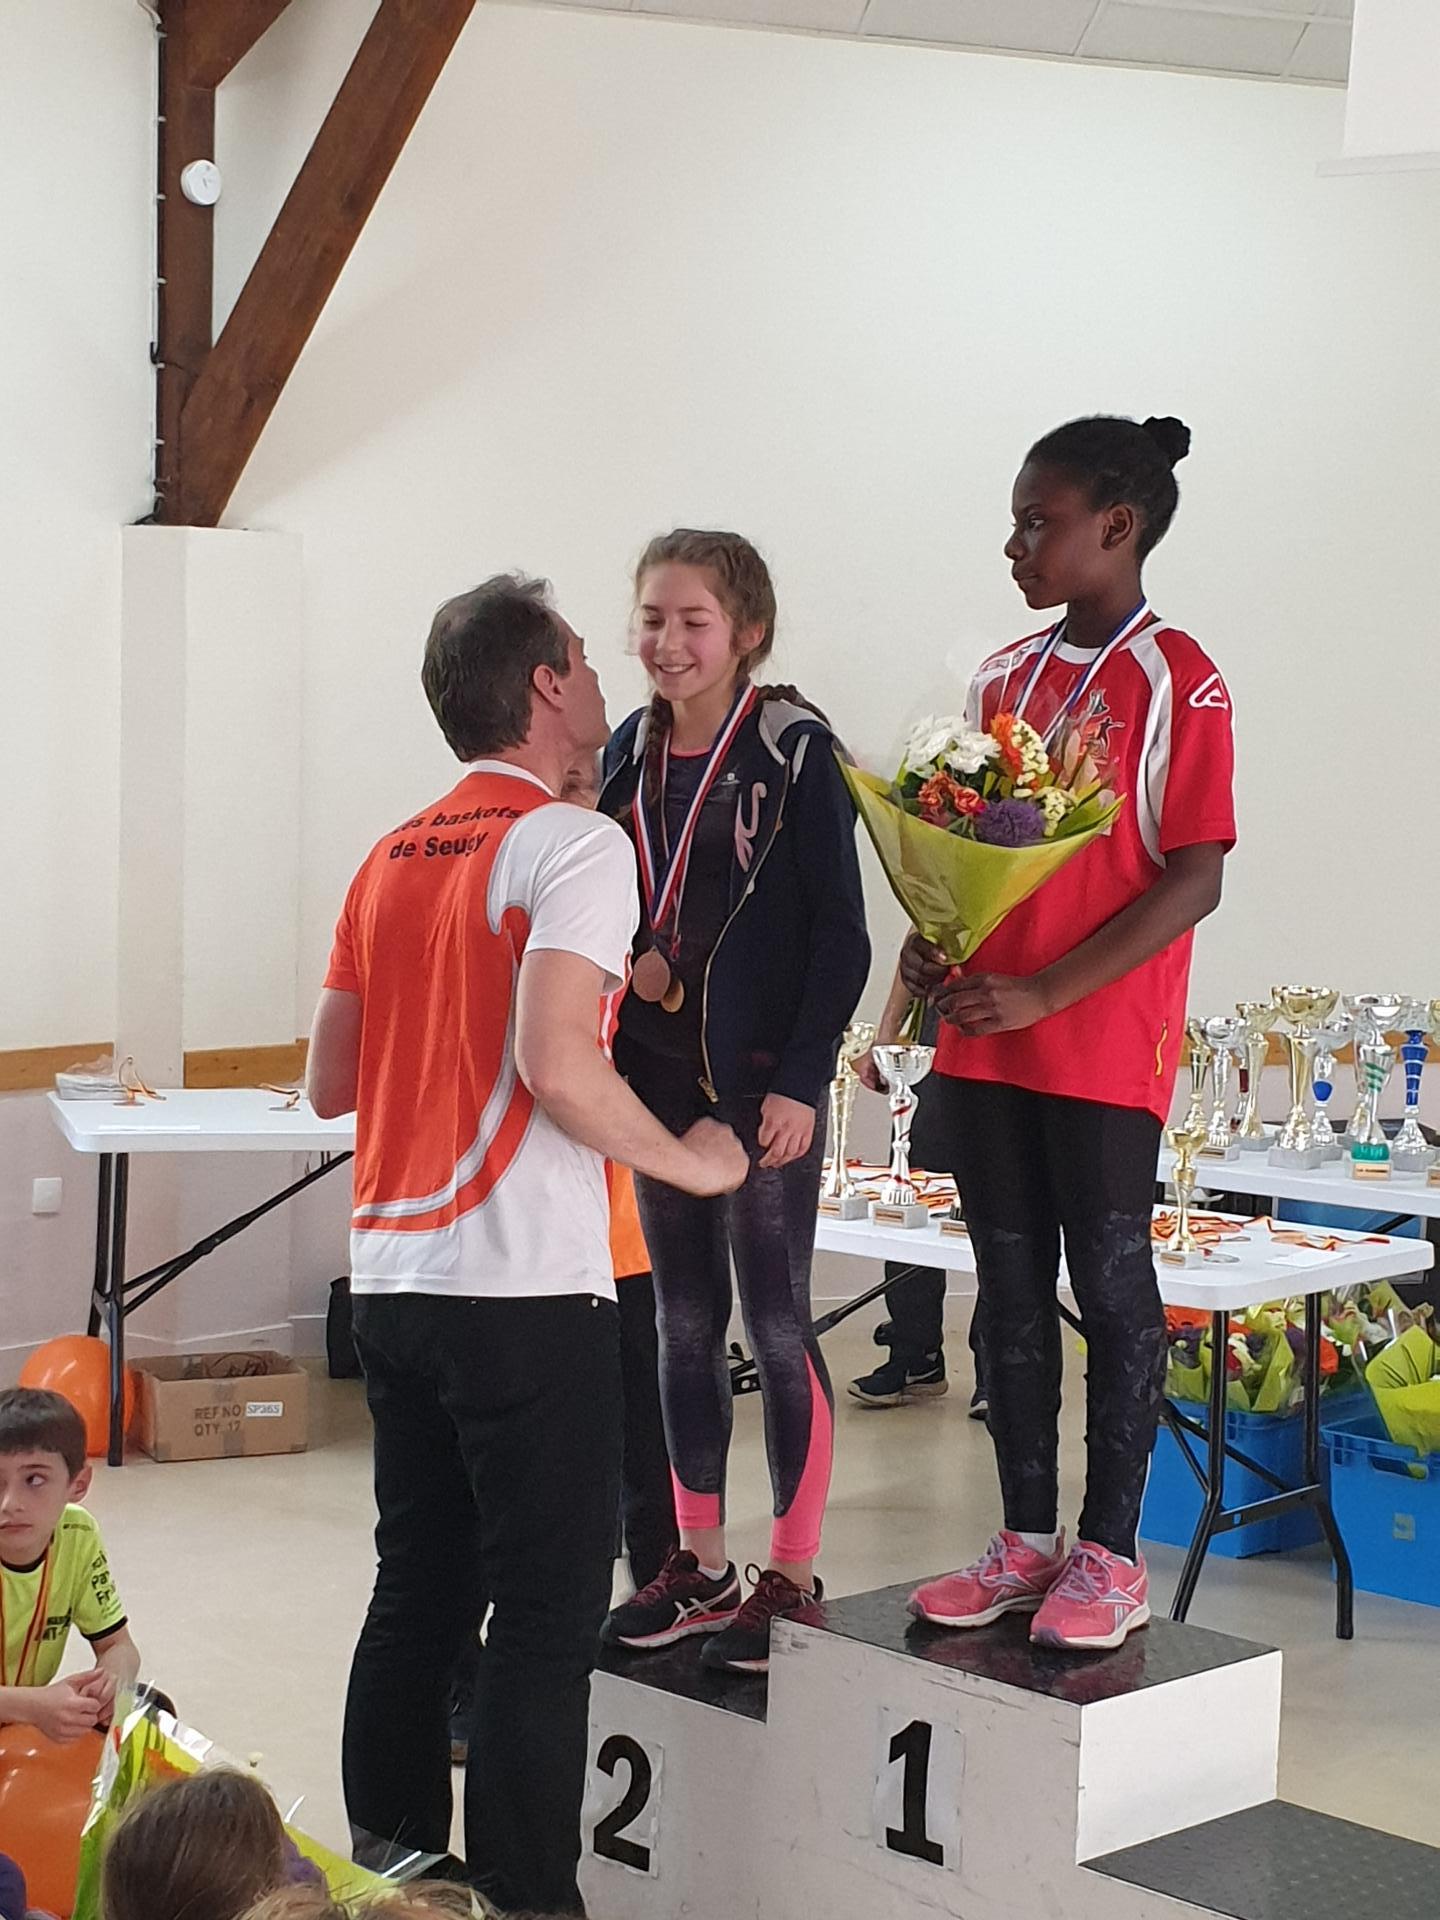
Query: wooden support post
(185, 253)
(222, 34)
(228, 404)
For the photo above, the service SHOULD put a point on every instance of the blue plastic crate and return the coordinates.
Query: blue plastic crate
(1387, 1504)
(1172, 1495)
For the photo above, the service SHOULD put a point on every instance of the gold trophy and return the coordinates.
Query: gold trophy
(1182, 1249)
(1197, 1060)
(1259, 1017)
(1225, 1035)
(901, 1068)
(840, 1198)
(1303, 1009)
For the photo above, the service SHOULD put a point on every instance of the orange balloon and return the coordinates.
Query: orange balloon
(78, 1368)
(44, 1798)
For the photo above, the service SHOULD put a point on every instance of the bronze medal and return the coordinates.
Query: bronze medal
(650, 977)
(673, 997)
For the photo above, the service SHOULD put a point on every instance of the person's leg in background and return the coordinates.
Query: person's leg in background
(772, 1222)
(647, 1495)
(533, 1389)
(428, 1587)
(992, 1140)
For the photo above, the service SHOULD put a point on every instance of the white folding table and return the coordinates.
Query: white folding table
(1248, 1270)
(184, 1120)
(1332, 1185)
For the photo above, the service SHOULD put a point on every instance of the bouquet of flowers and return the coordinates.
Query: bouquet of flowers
(977, 818)
(1264, 1357)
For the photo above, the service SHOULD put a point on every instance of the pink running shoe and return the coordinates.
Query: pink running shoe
(1008, 1577)
(1096, 1602)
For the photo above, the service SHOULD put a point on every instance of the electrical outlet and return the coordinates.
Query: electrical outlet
(47, 1196)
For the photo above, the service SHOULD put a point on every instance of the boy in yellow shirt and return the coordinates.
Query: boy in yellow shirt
(54, 1574)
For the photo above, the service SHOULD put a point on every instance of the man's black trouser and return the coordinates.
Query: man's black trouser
(497, 1471)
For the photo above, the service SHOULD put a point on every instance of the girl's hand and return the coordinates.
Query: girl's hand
(923, 967)
(981, 1003)
(786, 1129)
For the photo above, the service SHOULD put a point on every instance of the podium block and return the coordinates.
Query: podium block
(675, 1789)
(892, 1769)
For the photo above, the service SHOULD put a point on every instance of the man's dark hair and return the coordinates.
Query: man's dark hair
(33, 1420)
(480, 662)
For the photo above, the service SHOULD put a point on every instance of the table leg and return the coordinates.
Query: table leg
(1214, 1471)
(116, 1309)
(101, 1285)
(1344, 1577)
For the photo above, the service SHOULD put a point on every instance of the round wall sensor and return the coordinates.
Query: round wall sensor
(200, 182)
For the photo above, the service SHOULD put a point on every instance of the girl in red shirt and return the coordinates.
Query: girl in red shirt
(1060, 1041)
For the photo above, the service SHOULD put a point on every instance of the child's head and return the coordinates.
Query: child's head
(1090, 502)
(704, 611)
(42, 1469)
(203, 1848)
(420, 1900)
(582, 782)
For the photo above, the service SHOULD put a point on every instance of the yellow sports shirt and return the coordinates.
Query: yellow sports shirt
(73, 1585)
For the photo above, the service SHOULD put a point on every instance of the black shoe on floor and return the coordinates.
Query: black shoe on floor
(884, 1334)
(744, 1646)
(679, 1601)
(979, 1402)
(897, 1381)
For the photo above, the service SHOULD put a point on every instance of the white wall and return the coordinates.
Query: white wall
(631, 272)
(76, 187)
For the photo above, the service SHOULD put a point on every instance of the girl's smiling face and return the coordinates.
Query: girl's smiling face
(687, 641)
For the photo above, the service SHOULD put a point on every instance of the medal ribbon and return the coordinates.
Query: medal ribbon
(1127, 629)
(33, 1633)
(664, 884)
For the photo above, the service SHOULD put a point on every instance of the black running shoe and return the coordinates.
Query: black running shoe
(897, 1381)
(744, 1646)
(679, 1601)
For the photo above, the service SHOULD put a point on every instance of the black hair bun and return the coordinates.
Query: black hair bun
(1172, 436)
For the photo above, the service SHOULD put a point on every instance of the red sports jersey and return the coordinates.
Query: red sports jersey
(1169, 736)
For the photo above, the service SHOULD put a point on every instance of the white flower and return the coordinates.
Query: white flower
(1055, 803)
(970, 751)
(930, 739)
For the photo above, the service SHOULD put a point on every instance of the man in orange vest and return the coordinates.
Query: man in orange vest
(459, 1021)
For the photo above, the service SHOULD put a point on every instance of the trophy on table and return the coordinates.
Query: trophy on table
(1375, 1015)
(901, 1068)
(1224, 1035)
(840, 1198)
(1197, 1062)
(1410, 1151)
(1332, 1035)
(1182, 1249)
(1259, 1016)
(1302, 1009)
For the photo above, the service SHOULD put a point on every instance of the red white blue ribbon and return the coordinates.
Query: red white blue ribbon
(663, 879)
(1127, 629)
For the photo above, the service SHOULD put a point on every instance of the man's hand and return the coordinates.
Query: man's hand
(991, 1003)
(867, 1073)
(718, 1162)
(63, 1711)
(786, 1129)
(923, 967)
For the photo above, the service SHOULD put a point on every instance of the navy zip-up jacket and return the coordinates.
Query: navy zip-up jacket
(793, 958)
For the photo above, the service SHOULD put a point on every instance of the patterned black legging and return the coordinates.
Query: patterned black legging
(1031, 1166)
(768, 1226)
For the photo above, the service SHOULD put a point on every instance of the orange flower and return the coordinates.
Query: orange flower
(967, 801)
(1003, 729)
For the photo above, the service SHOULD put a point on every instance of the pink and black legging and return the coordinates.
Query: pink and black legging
(769, 1226)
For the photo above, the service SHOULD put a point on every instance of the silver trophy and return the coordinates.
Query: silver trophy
(1375, 1015)
(1410, 1151)
(1302, 1009)
(902, 1068)
(1332, 1035)
(840, 1198)
(1259, 1017)
(1225, 1034)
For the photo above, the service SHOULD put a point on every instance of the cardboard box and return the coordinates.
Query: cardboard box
(215, 1406)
